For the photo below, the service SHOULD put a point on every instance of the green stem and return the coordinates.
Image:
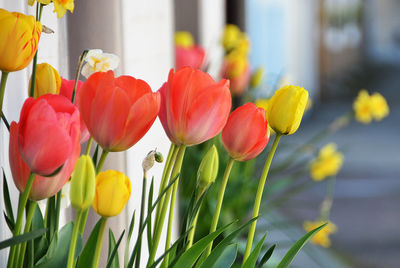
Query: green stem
(29, 217)
(89, 145)
(137, 263)
(260, 191)
(192, 231)
(82, 223)
(175, 172)
(58, 208)
(328, 200)
(3, 82)
(173, 150)
(18, 225)
(221, 193)
(78, 72)
(101, 161)
(160, 220)
(99, 242)
(72, 247)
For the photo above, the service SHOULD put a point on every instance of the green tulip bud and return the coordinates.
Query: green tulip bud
(83, 183)
(208, 169)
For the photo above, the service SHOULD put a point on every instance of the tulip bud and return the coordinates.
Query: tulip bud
(158, 157)
(83, 183)
(47, 81)
(286, 109)
(208, 169)
(113, 190)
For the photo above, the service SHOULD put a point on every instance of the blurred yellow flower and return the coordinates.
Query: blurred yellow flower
(184, 39)
(232, 36)
(286, 108)
(48, 81)
(368, 107)
(257, 77)
(236, 63)
(379, 106)
(45, 2)
(61, 6)
(322, 237)
(328, 163)
(113, 190)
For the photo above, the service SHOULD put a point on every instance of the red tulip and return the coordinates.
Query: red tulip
(193, 57)
(67, 86)
(117, 111)
(246, 133)
(194, 108)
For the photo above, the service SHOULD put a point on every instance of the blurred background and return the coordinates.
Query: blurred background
(333, 48)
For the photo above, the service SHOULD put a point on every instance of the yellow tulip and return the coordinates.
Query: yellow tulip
(48, 81)
(286, 108)
(322, 237)
(19, 38)
(113, 190)
(184, 39)
(83, 183)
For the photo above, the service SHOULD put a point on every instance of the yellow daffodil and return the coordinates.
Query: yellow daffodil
(368, 107)
(322, 237)
(97, 61)
(379, 106)
(113, 190)
(328, 163)
(48, 81)
(232, 37)
(61, 6)
(286, 108)
(19, 38)
(184, 39)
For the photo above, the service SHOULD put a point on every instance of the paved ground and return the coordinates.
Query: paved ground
(367, 205)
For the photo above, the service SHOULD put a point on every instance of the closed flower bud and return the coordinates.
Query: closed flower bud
(113, 190)
(208, 169)
(48, 81)
(286, 109)
(83, 183)
(19, 38)
(158, 157)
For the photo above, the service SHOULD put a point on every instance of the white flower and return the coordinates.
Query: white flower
(97, 61)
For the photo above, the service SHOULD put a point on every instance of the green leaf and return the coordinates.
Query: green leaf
(40, 244)
(189, 257)
(218, 250)
(57, 254)
(131, 225)
(288, 258)
(95, 154)
(10, 224)
(227, 258)
(266, 256)
(113, 260)
(252, 259)
(149, 224)
(86, 258)
(7, 200)
(21, 238)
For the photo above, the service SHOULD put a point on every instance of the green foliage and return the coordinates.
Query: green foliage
(252, 259)
(21, 238)
(86, 257)
(113, 260)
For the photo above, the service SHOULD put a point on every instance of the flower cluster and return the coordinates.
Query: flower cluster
(328, 163)
(368, 107)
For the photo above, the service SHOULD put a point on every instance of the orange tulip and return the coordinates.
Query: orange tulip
(47, 137)
(19, 38)
(117, 111)
(194, 108)
(246, 132)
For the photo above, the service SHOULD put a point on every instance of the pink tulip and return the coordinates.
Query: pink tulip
(194, 108)
(193, 57)
(246, 133)
(46, 138)
(67, 86)
(118, 111)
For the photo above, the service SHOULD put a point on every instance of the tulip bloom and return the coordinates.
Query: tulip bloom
(67, 86)
(286, 109)
(194, 108)
(113, 190)
(48, 81)
(117, 111)
(46, 138)
(246, 133)
(19, 38)
(193, 57)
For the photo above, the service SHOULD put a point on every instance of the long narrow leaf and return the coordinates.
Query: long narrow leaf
(252, 259)
(21, 238)
(10, 223)
(217, 251)
(288, 258)
(86, 257)
(189, 257)
(227, 258)
(7, 200)
(128, 240)
(113, 249)
(149, 223)
(266, 256)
